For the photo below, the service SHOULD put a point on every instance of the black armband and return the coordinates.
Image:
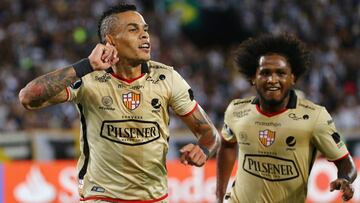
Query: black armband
(82, 67)
(205, 150)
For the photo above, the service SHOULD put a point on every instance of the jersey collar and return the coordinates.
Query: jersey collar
(144, 69)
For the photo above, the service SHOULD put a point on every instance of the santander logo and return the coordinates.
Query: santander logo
(35, 189)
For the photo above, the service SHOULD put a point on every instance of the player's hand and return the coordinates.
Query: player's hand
(344, 186)
(192, 155)
(103, 56)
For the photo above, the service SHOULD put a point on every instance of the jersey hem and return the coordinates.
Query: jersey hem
(122, 200)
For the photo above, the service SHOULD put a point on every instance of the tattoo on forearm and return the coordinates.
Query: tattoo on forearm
(47, 86)
(201, 125)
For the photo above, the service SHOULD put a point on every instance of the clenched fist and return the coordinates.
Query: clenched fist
(344, 186)
(103, 56)
(193, 155)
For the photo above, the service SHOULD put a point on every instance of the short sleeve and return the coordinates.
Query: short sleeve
(182, 97)
(327, 139)
(75, 91)
(226, 132)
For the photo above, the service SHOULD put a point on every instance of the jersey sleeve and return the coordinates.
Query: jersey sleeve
(75, 91)
(226, 132)
(326, 138)
(182, 98)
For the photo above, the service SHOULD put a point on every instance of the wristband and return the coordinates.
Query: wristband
(82, 67)
(205, 150)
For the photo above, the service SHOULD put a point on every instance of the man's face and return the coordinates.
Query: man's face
(273, 79)
(131, 38)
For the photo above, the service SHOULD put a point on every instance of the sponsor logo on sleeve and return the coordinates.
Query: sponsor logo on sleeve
(270, 168)
(267, 137)
(336, 137)
(131, 100)
(76, 84)
(98, 189)
(191, 94)
(337, 140)
(130, 132)
(228, 130)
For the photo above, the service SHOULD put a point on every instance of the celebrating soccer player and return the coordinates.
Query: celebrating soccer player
(123, 99)
(277, 133)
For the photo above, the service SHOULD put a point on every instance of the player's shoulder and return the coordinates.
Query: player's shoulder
(91, 79)
(307, 105)
(99, 76)
(157, 66)
(241, 103)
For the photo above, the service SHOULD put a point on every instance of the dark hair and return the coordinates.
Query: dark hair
(107, 20)
(250, 51)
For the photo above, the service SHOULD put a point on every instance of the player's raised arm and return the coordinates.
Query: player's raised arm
(207, 135)
(49, 89)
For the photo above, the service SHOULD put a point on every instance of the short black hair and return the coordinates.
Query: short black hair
(250, 51)
(106, 22)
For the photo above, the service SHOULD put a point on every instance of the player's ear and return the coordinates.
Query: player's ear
(109, 39)
(293, 79)
(252, 81)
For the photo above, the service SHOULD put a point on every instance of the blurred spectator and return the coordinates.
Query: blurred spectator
(38, 35)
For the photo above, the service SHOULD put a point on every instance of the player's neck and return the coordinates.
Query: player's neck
(126, 71)
(273, 108)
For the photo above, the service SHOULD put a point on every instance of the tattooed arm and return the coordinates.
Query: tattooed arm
(47, 89)
(207, 135)
(50, 89)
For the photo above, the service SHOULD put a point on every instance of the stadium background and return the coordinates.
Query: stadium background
(197, 37)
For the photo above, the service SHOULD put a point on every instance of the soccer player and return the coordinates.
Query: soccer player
(123, 99)
(276, 134)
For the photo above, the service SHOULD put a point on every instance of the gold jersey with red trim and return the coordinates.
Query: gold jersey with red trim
(277, 151)
(124, 131)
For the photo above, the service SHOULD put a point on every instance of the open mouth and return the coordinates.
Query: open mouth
(145, 46)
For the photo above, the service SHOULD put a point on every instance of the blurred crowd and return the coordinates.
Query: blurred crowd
(37, 36)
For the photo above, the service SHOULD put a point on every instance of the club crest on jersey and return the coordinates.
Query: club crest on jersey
(131, 100)
(267, 137)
